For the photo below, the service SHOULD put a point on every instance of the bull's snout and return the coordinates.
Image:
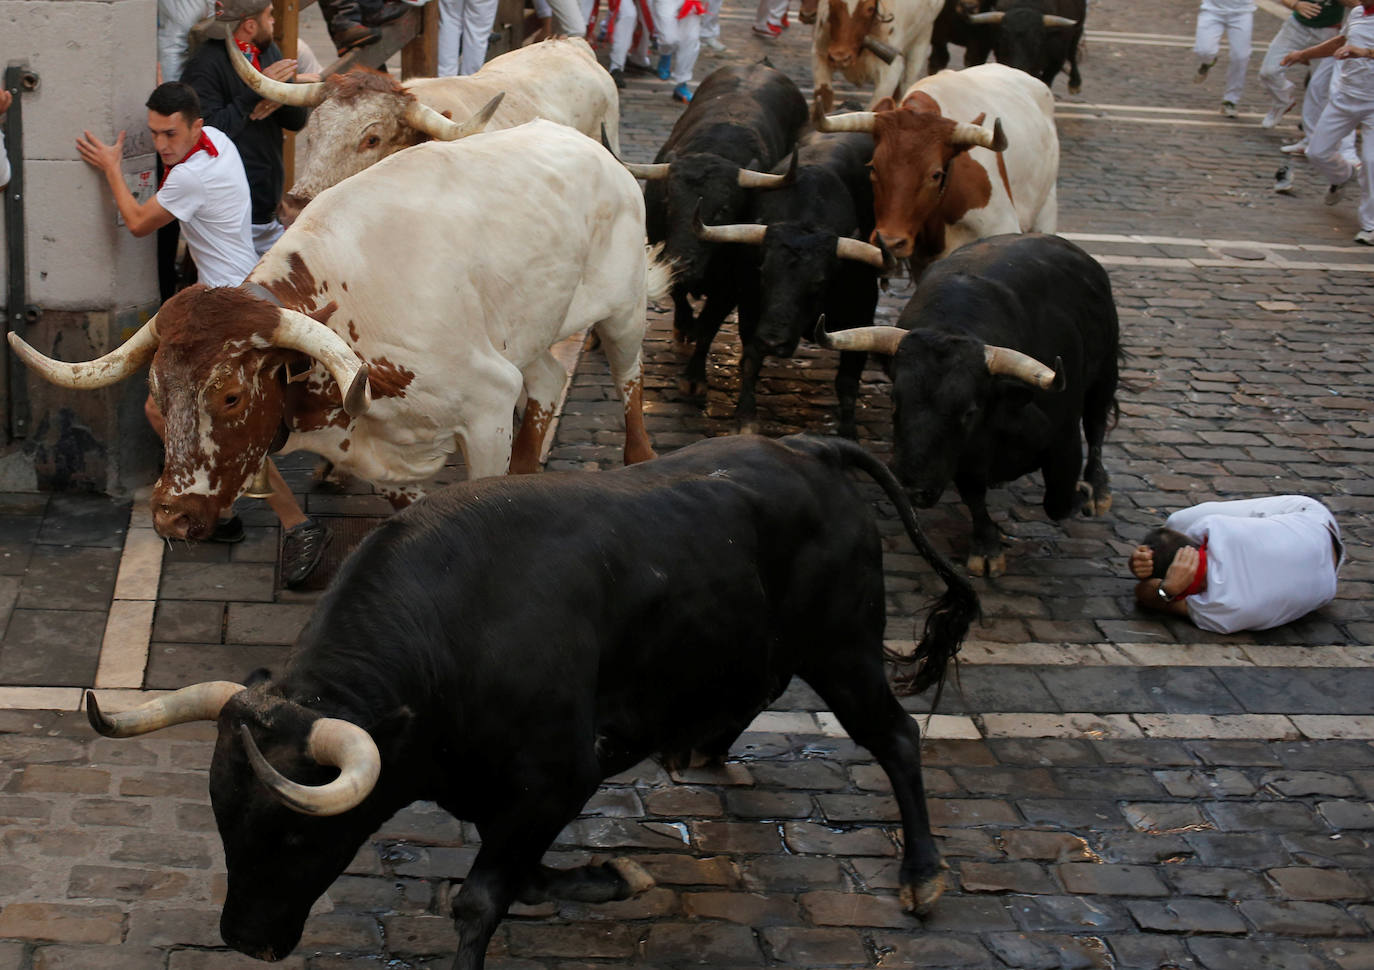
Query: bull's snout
(183, 516)
(289, 208)
(841, 57)
(898, 245)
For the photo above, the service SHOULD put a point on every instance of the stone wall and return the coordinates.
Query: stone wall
(95, 283)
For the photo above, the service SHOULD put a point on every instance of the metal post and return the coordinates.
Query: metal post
(19, 313)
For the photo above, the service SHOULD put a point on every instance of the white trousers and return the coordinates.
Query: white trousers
(1293, 36)
(1340, 120)
(626, 20)
(771, 12)
(1237, 27)
(681, 38)
(265, 234)
(464, 29)
(710, 24)
(175, 18)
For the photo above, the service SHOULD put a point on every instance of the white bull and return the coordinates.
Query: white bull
(400, 318)
(885, 43)
(363, 116)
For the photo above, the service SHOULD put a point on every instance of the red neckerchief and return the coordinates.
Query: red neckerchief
(690, 7)
(1199, 577)
(204, 145)
(250, 52)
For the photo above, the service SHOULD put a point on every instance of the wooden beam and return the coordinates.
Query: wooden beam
(420, 58)
(287, 32)
(395, 36)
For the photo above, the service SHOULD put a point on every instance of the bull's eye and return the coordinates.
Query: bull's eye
(371, 141)
(937, 177)
(230, 400)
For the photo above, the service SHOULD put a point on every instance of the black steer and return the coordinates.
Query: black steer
(953, 26)
(503, 645)
(972, 398)
(742, 121)
(812, 256)
(1038, 36)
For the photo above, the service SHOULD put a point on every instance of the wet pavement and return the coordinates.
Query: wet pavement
(1110, 788)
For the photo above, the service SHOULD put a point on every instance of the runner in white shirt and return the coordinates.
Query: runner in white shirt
(1349, 106)
(204, 187)
(1245, 565)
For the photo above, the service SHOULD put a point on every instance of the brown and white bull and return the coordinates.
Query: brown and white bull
(363, 116)
(941, 178)
(885, 43)
(399, 319)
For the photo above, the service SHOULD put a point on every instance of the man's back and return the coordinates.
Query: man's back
(208, 194)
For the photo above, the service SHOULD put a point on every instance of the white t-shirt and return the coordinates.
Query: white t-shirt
(1269, 560)
(209, 196)
(1354, 77)
(4, 162)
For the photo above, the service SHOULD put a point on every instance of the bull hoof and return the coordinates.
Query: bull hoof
(997, 565)
(918, 900)
(1103, 504)
(683, 344)
(635, 876)
(976, 565)
(692, 387)
(1085, 502)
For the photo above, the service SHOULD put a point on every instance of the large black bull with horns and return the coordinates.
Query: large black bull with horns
(973, 400)
(742, 121)
(502, 646)
(1037, 36)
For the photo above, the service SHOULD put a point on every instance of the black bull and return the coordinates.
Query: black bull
(973, 399)
(742, 121)
(508, 643)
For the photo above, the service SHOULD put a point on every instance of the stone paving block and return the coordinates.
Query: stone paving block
(1262, 816)
(174, 927)
(59, 957)
(806, 837)
(1216, 953)
(1232, 753)
(1110, 880)
(1306, 882)
(1014, 877)
(1343, 849)
(62, 923)
(685, 870)
(794, 873)
(1150, 951)
(266, 623)
(1289, 918)
(1250, 849)
(1349, 954)
(1347, 814)
(188, 621)
(707, 942)
(1186, 916)
(224, 960)
(1068, 914)
(68, 578)
(807, 947)
(51, 647)
(1218, 783)
(1165, 817)
(63, 778)
(174, 665)
(1051, 846)
(245, 582)
(769, 805)
(1071, 813)
(750, 909)
(965, 951)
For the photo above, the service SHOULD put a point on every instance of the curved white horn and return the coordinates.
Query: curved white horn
(650, 173)
(846, 248)
(981, 135)
(742, 233)
(749, 179)
(1012, 363)
(297, 331)
(991, 17)
(199, 702)
(305, 95)
(884, 52)
(122, 362)
(332, 741)
(874, 340)
(1052, 21)
(852, 121)
(424, 118)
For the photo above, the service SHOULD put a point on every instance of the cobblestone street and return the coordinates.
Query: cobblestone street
(1110, 789)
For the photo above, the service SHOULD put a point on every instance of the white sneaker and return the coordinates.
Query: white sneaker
(1275, 113)
(1365, 237)
(713, 44)
(1283, 180)
(1335, 193)
(1228, 108)
(1298, 147)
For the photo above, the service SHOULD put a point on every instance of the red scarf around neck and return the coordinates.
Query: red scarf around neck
(204, 145)
(1199, 577)
(250, 52)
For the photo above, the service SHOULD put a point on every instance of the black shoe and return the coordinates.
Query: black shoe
(227, 530)
(635, 68)
(618, 76)
(355, 36)
(301, 549)
(385, 13)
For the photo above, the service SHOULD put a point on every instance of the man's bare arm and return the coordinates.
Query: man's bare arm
(141, 219)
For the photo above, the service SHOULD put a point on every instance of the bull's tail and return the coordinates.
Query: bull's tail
(948, 622)
(658, 279)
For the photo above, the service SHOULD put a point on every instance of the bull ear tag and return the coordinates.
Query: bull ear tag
(260, 486)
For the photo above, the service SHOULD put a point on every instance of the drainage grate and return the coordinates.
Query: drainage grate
(347, 532)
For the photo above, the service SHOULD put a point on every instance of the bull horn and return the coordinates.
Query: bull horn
(305, 95)
(424, 118)
(846, 248)
(874, 340)
(751, 234)
(991, 17)
(852, 121)
(749, 179)
(650, 173)
(1052, 21)
(1012, 363)
(967, 134)
(199, 702)
(296, 331)
(122, 362)
(331, 741)
(884, 52)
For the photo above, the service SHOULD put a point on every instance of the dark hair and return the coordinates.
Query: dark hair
(175, 98)
(1164, 544)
